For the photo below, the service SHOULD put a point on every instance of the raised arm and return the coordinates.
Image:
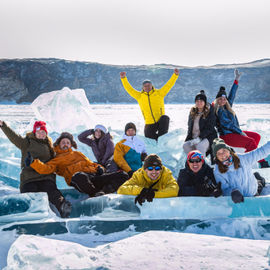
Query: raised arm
(234, 88)
(170, 83)
(131, 91)
(16, 139)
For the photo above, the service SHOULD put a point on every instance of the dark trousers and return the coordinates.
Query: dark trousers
(48, 186)
(91, 184)
(158, 129)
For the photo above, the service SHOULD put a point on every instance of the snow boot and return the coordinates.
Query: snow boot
(65, 209)
(261, 182)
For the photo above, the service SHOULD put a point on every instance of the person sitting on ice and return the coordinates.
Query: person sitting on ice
(197, 178)
(102, 146)
(227, 122)
(79, 171)
(151, 101)
(38, 145)
(130, 151)
(153, 180)
(234, 171)
(201, 126)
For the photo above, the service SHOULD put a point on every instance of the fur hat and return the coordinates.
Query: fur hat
(39, 125)
(201, 96)
(130, 125)
(152, 160)
(219, 144)
(66, 135)
(102, 128)
(221, 92)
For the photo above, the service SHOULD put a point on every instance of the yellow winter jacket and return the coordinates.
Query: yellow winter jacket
(166, 186)
(152, 103)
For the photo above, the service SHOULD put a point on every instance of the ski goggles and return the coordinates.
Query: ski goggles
(151, 168)
(196, 160)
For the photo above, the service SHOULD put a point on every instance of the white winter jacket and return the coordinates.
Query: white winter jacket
(243, 178)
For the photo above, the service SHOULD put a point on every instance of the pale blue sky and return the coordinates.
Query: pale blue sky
(190, 33)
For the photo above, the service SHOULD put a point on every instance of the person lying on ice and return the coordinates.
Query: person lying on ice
(39, 145)
(153, 180)
(197, 178)
(234, 171)
(102, 146)
(151, 101)
(79, 171)
(130, 151)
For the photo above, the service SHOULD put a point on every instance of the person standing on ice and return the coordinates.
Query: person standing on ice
(102, 146)
(38, 145)
(201, 126)
(151, 101)
(79, 171)
(151, 181)
(234, 171)
(130, 152)
(227, 122)
(197, 178)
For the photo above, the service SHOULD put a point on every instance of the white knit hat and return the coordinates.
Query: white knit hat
(102, 128)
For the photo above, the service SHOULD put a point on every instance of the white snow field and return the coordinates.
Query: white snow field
(111, 232)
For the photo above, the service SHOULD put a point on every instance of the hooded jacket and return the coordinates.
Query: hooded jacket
(66, 163)
(103, 148)
(38, 148)
(166, 186)
(191, 184)
(242, 179)
(227, 122)
(206, 125)
(152, 103)
(127, 153)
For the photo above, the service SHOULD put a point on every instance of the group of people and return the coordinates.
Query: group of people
(126, 168)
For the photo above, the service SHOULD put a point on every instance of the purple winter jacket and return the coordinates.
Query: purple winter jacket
(103, 148)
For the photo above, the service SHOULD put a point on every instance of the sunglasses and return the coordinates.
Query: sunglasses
(197, 160)
(157, 168)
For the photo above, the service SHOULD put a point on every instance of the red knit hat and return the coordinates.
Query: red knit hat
(39, 125)
(195, 154)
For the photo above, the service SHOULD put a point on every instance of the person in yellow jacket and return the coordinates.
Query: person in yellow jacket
(151, 101)
(79, 171)
(153, 180)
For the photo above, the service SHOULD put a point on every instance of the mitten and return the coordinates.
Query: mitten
(142, 196)
(237, 197)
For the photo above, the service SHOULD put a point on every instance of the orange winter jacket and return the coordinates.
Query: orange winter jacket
(66, 163)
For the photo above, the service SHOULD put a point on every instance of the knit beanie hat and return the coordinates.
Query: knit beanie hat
(130, 125)
(195, 154)
(221, 92)
(39, 125)
(146, 81)
(152, 160)
(219, 144)
(201, 96)
(102, 128)
(66, 135)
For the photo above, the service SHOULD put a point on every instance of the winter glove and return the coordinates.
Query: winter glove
(143, 156)
(237, 74)
(206, 188)
(142, 196)
(237, 197)
(100, 170)
(150, 195)
(218, 191)
(130, 173)
(195, 141)
(28, 160)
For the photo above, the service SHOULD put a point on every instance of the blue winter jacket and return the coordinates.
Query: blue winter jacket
(226, 122)
(242, 179)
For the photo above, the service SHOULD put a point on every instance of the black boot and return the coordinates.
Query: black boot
(261, 182)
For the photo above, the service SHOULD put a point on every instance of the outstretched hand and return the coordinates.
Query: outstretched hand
(176, 71)
(123, 74)
(237, 74)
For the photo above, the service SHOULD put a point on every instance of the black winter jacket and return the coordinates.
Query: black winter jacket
(202, 183)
